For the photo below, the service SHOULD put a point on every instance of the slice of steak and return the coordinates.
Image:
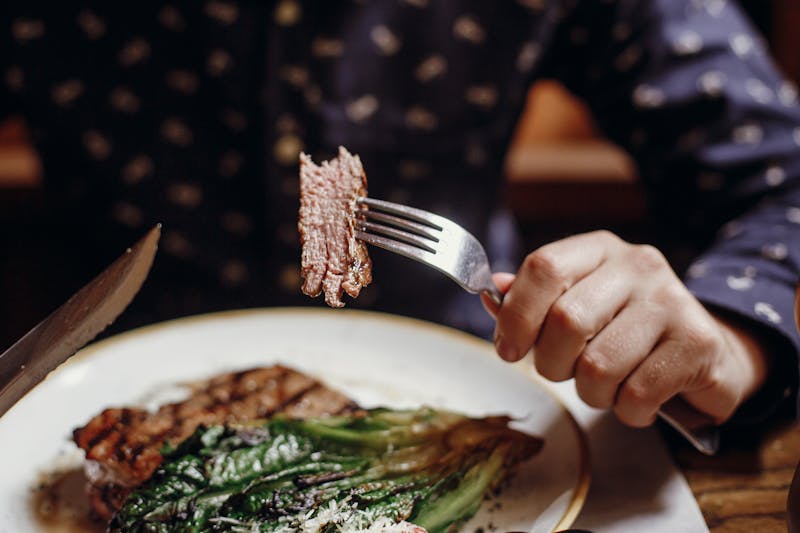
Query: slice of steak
(123, 445)
(333, 261)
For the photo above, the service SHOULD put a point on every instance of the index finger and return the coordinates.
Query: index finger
(545, 275)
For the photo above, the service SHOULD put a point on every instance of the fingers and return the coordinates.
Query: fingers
(662, 375)
(503, 281)
(576, 317)
(615, 353)
(544, 276)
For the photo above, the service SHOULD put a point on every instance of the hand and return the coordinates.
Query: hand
(614, 316)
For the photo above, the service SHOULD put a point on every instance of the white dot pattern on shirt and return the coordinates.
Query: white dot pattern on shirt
(621, 31)
(177, 132)
(775, 175)
(287, 13)
(287, 149)
(27, 29)
(749, 133)
(787, 94)
(528, 55)
(648, 96)
(170, 18)
(629, 58)
(230, 163)
(65, 93)
(417, 117)
(431, 68)
(742, 44)
(176, 244)
(234, 272)
(777, 251)
(137, 169)
(362, 108)
(182, 81)
(467, 28)
(385, 39)
(237, 223)
(128, 214)
(326, 47)
(758, 90)
(484, 96)
(134, 51)
(698, 269)
(186, 195)
(92, 25)
(793, 215)
(97, 145)
(123, 99)
(687, 43)
(223, 12)
(294, 75)
(536, 5)
(740, 283)
(219, 62)
(765, 310)
(15, 79)
(712, 82)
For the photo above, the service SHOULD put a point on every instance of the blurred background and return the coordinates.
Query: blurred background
(562, 177)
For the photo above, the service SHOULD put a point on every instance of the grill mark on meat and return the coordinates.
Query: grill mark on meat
(123, 445)
(333, 261)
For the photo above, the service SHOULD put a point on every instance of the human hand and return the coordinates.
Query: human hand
(614, 316)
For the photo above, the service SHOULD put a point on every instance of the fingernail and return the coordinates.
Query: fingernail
(504, 349)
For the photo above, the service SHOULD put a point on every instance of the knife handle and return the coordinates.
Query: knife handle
(698, 428)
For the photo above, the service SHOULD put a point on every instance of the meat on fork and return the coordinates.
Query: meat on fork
(333, 261)
(123, 445)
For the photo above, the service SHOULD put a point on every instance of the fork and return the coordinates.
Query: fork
(441, 243)
(430, 239)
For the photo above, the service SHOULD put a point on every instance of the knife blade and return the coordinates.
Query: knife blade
(67, 329)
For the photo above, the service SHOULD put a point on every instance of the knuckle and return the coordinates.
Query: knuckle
(636, 418)
(606, 236)
(636, 395)
(671, 295)
(701, 339)
(595, 368)
(568, 319)
(545, 263)
(646, 258)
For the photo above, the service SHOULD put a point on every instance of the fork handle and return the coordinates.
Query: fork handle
(494, 293)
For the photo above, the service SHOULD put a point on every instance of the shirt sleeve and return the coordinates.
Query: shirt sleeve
(689, 89)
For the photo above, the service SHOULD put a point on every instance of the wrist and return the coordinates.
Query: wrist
(753, 360)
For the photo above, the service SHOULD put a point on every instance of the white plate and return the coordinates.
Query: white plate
(374, 358)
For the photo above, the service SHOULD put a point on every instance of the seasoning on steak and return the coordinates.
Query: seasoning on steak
(123, 445)
(333, 260)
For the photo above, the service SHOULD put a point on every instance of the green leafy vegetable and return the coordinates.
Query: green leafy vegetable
(428, 467)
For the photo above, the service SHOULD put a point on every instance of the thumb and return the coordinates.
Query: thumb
(503, 280)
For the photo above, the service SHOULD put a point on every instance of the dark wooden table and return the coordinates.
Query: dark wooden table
(744, 488)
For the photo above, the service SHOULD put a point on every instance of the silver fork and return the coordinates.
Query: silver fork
(446, 246)
(430, 239)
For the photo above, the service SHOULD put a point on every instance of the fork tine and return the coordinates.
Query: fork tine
(419, 215)
(412, 252)
(398, 234)
(401, 223)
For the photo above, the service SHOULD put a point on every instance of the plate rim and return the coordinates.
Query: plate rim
(525, 367)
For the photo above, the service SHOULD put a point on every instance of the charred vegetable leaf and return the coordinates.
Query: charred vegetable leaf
(428, 467)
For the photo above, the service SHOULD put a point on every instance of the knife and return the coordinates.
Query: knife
(67, 329)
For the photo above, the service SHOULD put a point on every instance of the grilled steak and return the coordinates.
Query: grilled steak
(123, 445)
(333, 260)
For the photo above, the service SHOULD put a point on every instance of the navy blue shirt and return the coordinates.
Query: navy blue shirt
(194, 115)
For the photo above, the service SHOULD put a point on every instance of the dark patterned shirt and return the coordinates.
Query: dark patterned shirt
(193, 114)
